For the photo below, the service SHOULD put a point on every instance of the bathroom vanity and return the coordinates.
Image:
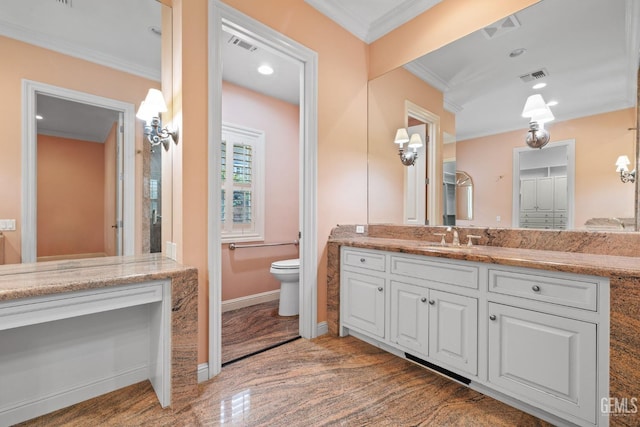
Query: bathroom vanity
(537, 329)
(72, 330)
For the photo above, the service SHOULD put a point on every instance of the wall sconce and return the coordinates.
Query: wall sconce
(622, 166)
(415, 142)
(539, 113)
(149, 111)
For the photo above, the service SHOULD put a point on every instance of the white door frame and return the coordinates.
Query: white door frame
(571, 181)
(433, 192)
(221, 15)
(30, 90)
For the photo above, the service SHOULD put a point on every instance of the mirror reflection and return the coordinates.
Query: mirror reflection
(585, 62)
(86, 48)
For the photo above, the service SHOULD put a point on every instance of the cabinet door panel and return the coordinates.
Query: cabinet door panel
(544, 358)
(363, 302)
(410, 317)
(453, 330)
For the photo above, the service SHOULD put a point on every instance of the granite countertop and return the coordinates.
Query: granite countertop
(580, 263)
(52, 277)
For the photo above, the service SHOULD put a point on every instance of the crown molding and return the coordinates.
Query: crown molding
(371, 31)
(11, 30)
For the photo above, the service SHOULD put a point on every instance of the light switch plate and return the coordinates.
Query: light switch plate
(7, 225)
(360, 229)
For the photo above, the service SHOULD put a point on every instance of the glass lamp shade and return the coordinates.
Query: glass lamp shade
(622, 163)
(155, 101)
(401, 136)
(145, 112)
(415, 142)
(535, 106)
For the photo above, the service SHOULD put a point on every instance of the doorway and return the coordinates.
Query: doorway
(224, 17)
(32, 92)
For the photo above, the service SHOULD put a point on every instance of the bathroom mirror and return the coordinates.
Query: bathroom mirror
(478, 94)
(84, 47)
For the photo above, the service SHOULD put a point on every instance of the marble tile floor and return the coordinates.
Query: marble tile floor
(322, 382)
(250, 329)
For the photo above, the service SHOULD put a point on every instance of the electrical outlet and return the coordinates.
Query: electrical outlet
(7, 225)
(498, 219)
(360, 229)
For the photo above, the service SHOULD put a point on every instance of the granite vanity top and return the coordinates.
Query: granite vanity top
(580, 263)
(52, 277)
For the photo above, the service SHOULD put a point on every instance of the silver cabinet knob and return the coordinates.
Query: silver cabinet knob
(380, 289)
(493, 317)
(423, 299)
(362, 260)
(432, 302)
(535, 288)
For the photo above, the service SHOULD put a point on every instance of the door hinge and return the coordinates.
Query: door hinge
(426, 181)
(299, 234)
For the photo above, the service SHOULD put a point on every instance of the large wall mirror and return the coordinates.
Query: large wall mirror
(584, 52)
(75, 74)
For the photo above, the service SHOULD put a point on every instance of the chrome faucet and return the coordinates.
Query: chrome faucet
(456, 236)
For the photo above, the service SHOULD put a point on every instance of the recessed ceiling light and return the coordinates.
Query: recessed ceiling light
(539, 85)
(552, 103)
(39, 117)
(265, 69)
(517, 52)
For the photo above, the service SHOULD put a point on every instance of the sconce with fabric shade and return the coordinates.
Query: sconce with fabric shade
(415, 142)
(622, 166)
(149, 111)
(538, 113)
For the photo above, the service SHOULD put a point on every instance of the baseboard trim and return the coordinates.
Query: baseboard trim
(242, 302)
(322, 328)
(45, 404)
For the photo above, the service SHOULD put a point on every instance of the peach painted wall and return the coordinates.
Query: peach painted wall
(110, 196)
(387, 96)
(246, 271)
(25, 61)
(70, 196)
(600, 139)
(343, 70)
(448, 151)
(442, 24)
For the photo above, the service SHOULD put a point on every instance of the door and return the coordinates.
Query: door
(119, 184)
(410, 317)
(544, 358)
(362, 302)
(453, 330)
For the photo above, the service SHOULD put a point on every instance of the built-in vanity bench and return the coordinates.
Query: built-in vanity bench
(72, 330)
(553, 333)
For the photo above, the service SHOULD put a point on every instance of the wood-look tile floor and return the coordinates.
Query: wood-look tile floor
(250, 329)
(322, 382)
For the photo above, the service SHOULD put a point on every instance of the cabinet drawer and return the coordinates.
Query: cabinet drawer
(453, 274)
(363, 259)
(572, 292)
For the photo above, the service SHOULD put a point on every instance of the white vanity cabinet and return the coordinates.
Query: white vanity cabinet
(543, 339)
(536, 339)
(425, 308)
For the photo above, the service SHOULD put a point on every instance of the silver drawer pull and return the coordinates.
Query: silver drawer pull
(380, 288)
(362, 260)
(432, 302)
(423, 299)
(493, 317)
(535, 288)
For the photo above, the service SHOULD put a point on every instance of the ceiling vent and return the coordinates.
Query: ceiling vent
(502, 27)
(535, 75)
(66, 3)
(242, 43)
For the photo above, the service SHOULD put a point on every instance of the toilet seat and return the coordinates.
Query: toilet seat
(286, 264)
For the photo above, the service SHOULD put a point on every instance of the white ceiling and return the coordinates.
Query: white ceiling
(588, 47)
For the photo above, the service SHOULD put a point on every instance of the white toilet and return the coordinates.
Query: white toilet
(288, 273)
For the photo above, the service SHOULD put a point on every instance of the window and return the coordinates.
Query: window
(242, 177)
